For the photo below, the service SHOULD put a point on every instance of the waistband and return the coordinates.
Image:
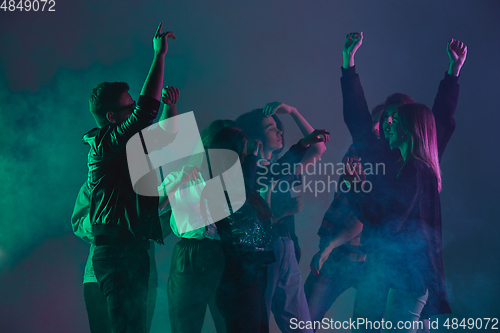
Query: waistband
(120, 241)
(198, 240)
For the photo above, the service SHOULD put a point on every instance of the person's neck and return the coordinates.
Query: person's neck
(404, 147)
(267, 154)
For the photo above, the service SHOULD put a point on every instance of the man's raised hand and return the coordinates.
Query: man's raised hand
(170, 95)
(352, 42)
(160, 45)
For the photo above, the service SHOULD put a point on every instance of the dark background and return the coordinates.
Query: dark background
(231, 57)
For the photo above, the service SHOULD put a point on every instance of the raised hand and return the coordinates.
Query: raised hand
(160, 45)
(277, 108)
(352, 42)
(457, 52)
(170, 95)
(315, 137)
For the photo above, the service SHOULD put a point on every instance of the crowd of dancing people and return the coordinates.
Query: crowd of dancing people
(385, 242)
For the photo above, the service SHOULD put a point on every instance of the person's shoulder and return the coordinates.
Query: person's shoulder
(421, 169)
(420, 165)
(90, 136)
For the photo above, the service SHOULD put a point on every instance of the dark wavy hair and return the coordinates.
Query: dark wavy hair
(251, 124)
(231, 138)
(399, 99)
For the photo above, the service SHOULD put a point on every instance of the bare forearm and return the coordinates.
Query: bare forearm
(306, 129)
(454, 69)
(154, 81)
(348, 60)
(169, 112)
(347, 234)
(304, 126)
(166, 191)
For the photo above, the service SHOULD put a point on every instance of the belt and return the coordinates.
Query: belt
(119, 241)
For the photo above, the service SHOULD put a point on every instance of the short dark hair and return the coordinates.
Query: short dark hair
(399, 99)
(251, 124)
(104, 98)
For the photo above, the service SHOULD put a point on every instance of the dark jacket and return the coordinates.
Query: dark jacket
(404, 207)
(445, 104)
(115, 209)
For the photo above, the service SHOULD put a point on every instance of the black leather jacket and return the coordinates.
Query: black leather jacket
(115, 209)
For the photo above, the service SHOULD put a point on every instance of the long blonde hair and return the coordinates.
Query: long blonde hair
(417, 120)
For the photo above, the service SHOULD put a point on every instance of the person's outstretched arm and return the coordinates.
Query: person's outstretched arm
(154, 81)
(352, 43)
(446, 99)
(149, 101)
(356, 113)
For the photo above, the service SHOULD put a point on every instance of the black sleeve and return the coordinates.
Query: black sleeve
(81, 227)
(444, 108)
(357, 117)
(142, 116)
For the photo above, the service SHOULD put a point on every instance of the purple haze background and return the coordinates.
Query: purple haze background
(231, 57)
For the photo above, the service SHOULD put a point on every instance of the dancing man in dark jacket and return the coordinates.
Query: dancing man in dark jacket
(123, 221)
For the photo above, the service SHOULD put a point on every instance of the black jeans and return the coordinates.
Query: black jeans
(196, 269)
(241, 298)
(122, 271)
(97, 308)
